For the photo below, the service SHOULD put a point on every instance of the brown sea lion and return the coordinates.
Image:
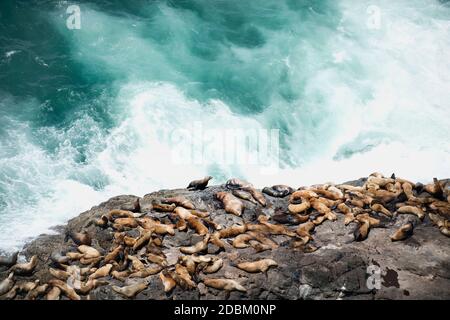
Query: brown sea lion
(293, 219)
(380, 208)
(58, 259)
(244, 195)
(275, 228)
(131, 290)
(114, 254)
(184, 276)
(224, 284)
(158, 259)
(304, 230)
(231, 204)
(167, 281)
(179, 201)
(59, 274)
(68, 291)
(163, 207)
(88, 251)
(257, 266)
(137, 264)
(101, 272)
(299, 208)
(199, 184)
(126, 222)
(146, 272)
(349, 215)
(412, 210)
(25, 268)
(198, 247)
(403, 232)
(91, 284)
(102, 222)
(53, 294)
(257, 195)
(197, 225)
(235, 183)
(302, 194)
(216, 265)
(241, 241)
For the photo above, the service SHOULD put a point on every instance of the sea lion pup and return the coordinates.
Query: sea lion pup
(224, 284)
(257, 195)
(233, 231)
(131, 290)
(257, 266)
(88, 252)
(275, 228)
(184, 277)
(198, 247)
(25, 268)
(241, 241)
(278, 191)
(304, 230)
(167, 281)
(412, 210)
(146, 272)
(79, 238)
(293, 219)
(7, 284)
(163, 207)
(68, 291)
(214, 267)
(299, 208)
(179, 201)
(101, 272)
(9, 261)
(403, 232)
(379, 208)
(59, 274)
(348, 213)
(244, 195)
(53, 294)
(199, 184)
(231, 204)
(235, 183)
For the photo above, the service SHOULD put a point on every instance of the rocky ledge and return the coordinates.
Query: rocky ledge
(374, 238)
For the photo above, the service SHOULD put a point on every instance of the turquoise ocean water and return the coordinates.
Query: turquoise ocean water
(352, 86)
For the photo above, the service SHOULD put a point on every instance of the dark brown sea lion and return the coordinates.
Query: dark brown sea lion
(79, 238)
(278, 191)
(8, 261)
(199, 184)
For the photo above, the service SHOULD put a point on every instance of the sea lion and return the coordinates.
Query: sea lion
(126, 222)
(136, 263)
(302, 194)
(167, 281)
(53, 294)
(25, 268)
(299, 208)
(160, 260)
(441, 223)
(257, 195)
(362, 231)
(232, 231)
(275, 228)
(163, 207)
(121, 275)
(68, 291)
(293, 219)
(116, 213)
(320, 206)
(181, 224)
(59, 274)
(200, 214)
(257, 266)
(412, 210)
(263, 239)
(304, 230)
(381, 181)
(347, 187)
(88, 252)
(183, 213)
(27, 286)
(199, 184)
(278, 191)
(79, 238)
(403, 232)
(102, 222)
(58, 259)
(101, 272)
(244, 195)
(156, 226)
(380, 208)
(198, 247)
(408, 190)
(179, 201)
(9, 261)
(129, 241)
(197, 225)
(240, 242)
(131, 290)
(224, 284)
(90, 261)
(91, 284)
(212, 224)
(333, 195)
(214, 267)
(7, 284)
(434, 188)
(257, 227)
(231, 204)
(235, 183)
(215, 240)
(184, 276)
(142, 240)
(36, 292)
(349, 215)
(146, 272)
(259, 247)
(114, 254)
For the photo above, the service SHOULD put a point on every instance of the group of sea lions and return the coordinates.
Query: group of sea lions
(136, 252)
